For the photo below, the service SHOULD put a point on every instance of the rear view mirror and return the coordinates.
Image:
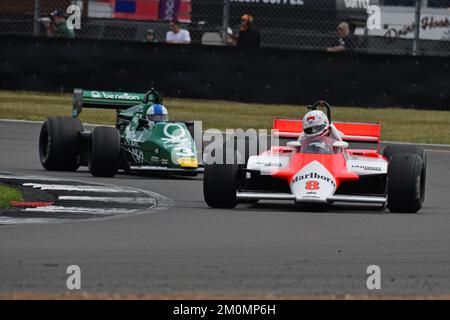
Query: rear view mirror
(340, 144)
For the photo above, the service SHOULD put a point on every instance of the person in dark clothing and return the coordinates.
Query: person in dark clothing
(56, 26)
(248, 36)
(346, 41)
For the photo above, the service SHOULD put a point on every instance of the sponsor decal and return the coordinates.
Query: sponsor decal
(308, 196)
(132, 139)
(269, 164)
(179, 140)
(367, 168)
(177, 136)
(114, 96)
(313, 175)
(426, 23)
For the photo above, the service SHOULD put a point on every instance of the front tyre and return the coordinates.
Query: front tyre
(104, 152)
(220, 182)
(59, 144)
(393, 149)
(405, 183)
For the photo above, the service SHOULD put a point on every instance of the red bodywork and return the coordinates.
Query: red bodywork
(363, 132)
(336, 164)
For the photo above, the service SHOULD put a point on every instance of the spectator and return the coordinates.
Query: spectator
(248, 36)
(176, 34)
(346, 41)
(150, 36)
(57, 26)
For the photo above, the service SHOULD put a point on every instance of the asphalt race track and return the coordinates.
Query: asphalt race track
(273, 249)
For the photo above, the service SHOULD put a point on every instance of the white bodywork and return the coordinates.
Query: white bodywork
(364, 166)
(314, 183)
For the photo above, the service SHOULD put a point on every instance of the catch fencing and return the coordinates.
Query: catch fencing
(402, 27)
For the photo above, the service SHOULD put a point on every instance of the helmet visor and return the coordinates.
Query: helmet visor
(315, 130)
(158, 117)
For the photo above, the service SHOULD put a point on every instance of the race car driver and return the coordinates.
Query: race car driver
(317, 125)
(157, 113)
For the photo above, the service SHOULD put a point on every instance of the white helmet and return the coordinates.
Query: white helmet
(315, 123)
(157, 113)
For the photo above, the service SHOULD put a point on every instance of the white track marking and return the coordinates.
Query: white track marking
(21, 121)
(35, 178)
(443, 151)
(83, 188)
(418, 144)
(10, 220)
(128, 200)
(59, 209)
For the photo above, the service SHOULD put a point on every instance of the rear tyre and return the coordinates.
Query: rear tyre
(104, 152)
(405, 183)
(59, 144)
(220, 184)
(393, 149)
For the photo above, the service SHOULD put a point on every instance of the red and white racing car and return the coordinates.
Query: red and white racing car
(323, 170)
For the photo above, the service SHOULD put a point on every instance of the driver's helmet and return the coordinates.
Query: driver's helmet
(315, 123)
(157, 113)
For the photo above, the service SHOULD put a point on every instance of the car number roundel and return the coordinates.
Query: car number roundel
(312, 185)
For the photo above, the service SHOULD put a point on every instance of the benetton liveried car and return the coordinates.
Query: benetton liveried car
(322, 170)
(135, 144)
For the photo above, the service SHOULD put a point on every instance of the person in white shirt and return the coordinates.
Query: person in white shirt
(176, 34)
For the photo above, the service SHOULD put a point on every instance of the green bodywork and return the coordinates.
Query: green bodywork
(144, 144)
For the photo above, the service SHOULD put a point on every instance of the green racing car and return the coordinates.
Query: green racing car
(136, 143)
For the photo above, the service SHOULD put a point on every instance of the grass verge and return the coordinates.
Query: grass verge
(7, 195)
(408, 125)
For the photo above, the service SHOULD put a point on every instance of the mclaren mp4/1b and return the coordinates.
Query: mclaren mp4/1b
(322, 170)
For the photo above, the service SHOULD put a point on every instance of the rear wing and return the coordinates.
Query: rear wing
(110, 100)
(352, 131)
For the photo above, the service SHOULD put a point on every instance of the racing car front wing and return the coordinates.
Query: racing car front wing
(288, 196)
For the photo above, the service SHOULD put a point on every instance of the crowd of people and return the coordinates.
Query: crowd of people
(247, 36)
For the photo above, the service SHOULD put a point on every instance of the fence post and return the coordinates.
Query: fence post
(417, 27)
(225, 21)
(37, 14)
